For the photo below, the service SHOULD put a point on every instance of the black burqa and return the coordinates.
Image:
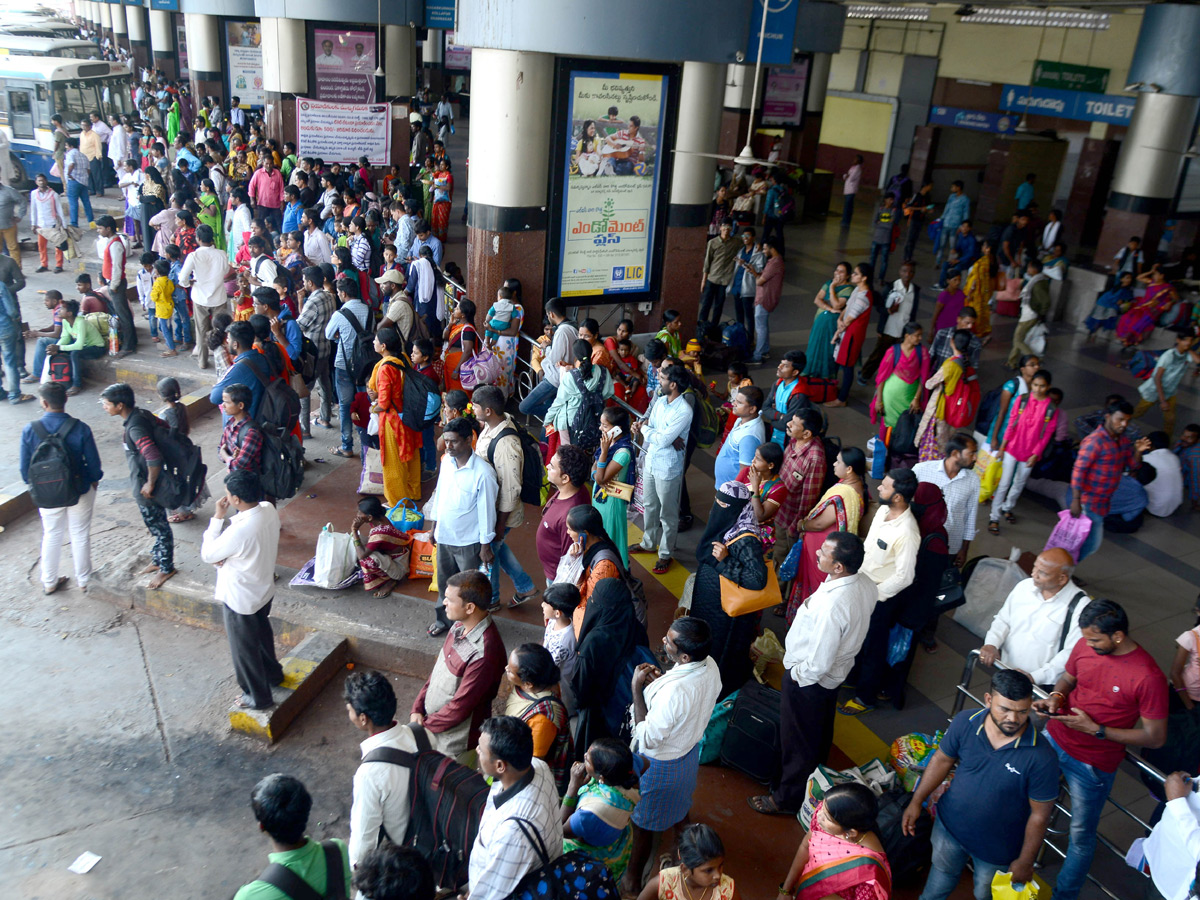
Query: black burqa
(611, 643)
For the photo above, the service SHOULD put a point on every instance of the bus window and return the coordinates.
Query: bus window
(74, 100)
(20, 114)
(118, 101)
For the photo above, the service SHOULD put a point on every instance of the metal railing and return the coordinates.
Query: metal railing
(1055, 829)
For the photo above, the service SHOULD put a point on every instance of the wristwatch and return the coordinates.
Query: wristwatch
(1100, 733)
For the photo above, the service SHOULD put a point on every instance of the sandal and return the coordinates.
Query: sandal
(1010, 518)
(344, 454)
(765, 804)
(437, 629)
(662, 566)
(993, 527)
(317, 420)
(855, 707)
(518, 599)
(181, 517)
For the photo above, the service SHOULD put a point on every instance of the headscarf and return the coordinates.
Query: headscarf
(929, 508)
(736, 497)
(607, 638)
(746, 520)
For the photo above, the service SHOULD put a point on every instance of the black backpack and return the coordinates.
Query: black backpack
(282, 470)
(362, 351)
(183, 471)
(292, 885)
(306, 364)
(585, 427)
(446, 801)
(55, 475)
(533, 473)
(417, 388)
(280, 406)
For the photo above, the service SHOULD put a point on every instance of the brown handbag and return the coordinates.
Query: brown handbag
(739, 601)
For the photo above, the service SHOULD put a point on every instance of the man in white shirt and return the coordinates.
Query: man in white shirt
(1173, 847)
(205, 270)
(382, 779)
(1164, 494)
(318, 249)
(664, 433)
(327, 60)
(901, 302)
(890, 560)
(670, 712)
(464, 513)
(819, 652)
(955, 475)
(522, 789)
(244, 555)
(554, 361)
(1038, 625)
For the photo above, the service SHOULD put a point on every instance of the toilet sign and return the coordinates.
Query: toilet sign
(1078, 105)
(1050, 74)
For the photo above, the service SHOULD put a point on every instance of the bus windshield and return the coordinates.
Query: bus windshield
(74, 100)
(116, 96)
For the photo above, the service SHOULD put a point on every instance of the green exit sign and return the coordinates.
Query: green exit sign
(1067, 77)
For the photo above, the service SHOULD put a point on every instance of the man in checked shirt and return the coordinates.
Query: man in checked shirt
(1103, 457)
(241, 439)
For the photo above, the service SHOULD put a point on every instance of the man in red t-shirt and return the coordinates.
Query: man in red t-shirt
(1112, 696)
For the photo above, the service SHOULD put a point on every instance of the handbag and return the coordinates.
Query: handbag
(950, 593)
(422, 562)
(790, 567)
(371, 479)
(406, 517)
(482, 368)
(618, 489)
(739, 601)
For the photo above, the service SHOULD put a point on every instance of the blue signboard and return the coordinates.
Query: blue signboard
(976, 120)
(780, 40)
(1077, 105)
(167, 5)
(439, 14)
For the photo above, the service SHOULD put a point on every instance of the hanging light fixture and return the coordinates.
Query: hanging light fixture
(379, 38)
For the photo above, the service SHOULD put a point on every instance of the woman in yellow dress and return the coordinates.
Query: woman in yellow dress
(399, 445)
(981, 284)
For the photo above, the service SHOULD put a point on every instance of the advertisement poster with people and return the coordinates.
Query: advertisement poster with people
(244, 41)
(344, 66)
(611, 182)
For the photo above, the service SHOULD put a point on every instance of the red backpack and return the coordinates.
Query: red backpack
(962, 404)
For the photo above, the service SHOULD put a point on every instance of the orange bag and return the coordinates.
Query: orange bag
(422, 560)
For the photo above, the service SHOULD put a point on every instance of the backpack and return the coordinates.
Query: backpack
(533, 473)
(585, 426)
(574, 875)
(1141, 365)
(735, 337)
(59, 368)
(280, 406)
(55, 474)
(306, 363)
(787, 207)
(962, 403)
(282, 470)
(419, 393)
(362, 351)
(446, 801)
(102, 321)
(706, 421)
(292, 885)
(183, 471)
(988, 407)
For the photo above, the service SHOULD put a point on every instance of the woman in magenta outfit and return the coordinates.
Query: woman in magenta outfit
(1135, 326)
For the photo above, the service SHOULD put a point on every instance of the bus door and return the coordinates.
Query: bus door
(20, 113)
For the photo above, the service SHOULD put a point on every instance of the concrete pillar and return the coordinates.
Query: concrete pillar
(105, 20)
(739, 86)
(139, 34)
(204, 56)
(699, 128)
(162, 41)
(511, 117)
(400, 61)
(1161, 130)
(120, 29)
(285, 72)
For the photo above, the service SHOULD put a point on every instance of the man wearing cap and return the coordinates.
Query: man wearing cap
(399, 312)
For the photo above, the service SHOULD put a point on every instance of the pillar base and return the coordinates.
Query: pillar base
(141, 53)
(167, 62)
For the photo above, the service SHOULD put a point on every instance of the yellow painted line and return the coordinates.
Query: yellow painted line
(675, 577)
(295, 671)
(857, 741)
(248, 724)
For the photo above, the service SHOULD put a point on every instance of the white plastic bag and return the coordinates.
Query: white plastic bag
(1035, 338)
(986, 590)
(570, 569)
(336, 559)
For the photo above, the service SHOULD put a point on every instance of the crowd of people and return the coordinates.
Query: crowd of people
(292, 277)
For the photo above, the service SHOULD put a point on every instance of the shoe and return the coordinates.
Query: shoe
(29, 379)
(57, 269)
(42, 269)
(72, 391)
(686, 522)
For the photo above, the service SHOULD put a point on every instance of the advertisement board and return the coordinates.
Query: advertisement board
(342, 132)
(611, 169)
(783, 101)
(344, 65)
(973, 119)
(243, 41)
(181, 50)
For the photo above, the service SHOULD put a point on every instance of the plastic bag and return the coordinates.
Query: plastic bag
(1004, 889)
(874, 774)
(899, 643)
(790, 567)
(986, 589)
(1035, 338)
(1070, 533)
(989, 469)
(405, 516)
(570, 570)
(336, 559)
(910, 754)
(422, 563)
(767, 654)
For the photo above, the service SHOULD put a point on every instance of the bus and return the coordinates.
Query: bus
(47, 29)
(18, 45)
(32, 89)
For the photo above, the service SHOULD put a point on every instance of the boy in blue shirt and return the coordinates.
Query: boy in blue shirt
(183, 302)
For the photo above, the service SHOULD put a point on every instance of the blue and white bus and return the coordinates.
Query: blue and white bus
(32, 89)
(67, 48)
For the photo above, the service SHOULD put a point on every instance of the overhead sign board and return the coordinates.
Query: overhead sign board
(1068, 77)
(973, 119)
(1078, 105)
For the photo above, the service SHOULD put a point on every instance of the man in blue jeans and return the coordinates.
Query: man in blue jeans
(12, 347)
(342, 331)
(1112, 696)
(1104, 455)
(541, 397)
(500, 445)
(75, 176)
(996, 810)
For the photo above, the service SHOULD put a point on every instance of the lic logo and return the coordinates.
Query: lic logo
(628, 273)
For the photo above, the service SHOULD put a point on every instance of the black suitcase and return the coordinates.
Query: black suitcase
(751, 743)
(908, 855)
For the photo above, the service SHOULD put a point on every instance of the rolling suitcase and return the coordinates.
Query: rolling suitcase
(751, 743)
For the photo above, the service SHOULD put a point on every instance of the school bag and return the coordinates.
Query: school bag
(282, 470)
(362, 349)
(55, 474)
(422, 402)
(574, 875)
(183, 471)
(736, 338)
(280, 406)
(446, 801)
(1142, 363)
(58, 368)
(292, 885)
(585, 425)
(533, 473)
(962, 404)
(706, 421)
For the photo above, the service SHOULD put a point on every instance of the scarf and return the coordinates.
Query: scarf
(746, 520)
(736, 497)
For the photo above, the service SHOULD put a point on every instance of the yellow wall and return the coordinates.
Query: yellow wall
(861, 124)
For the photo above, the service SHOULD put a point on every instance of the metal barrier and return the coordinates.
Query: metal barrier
(1054, 829)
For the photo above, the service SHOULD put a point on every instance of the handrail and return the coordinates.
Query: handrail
(963, 691)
